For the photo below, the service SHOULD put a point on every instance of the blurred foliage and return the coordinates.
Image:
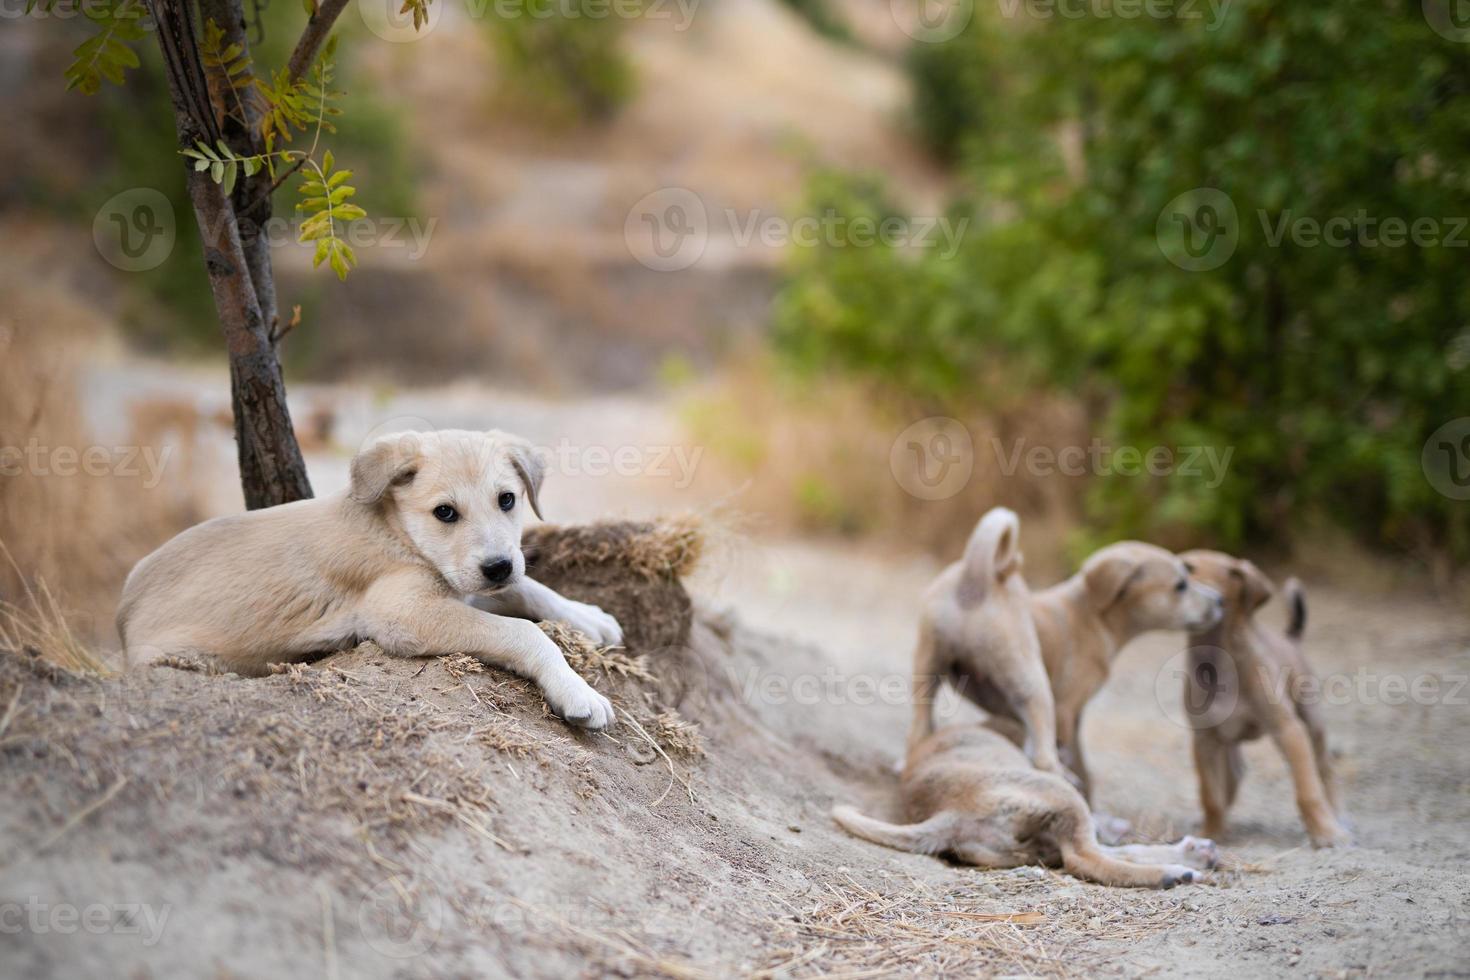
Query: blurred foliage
(820, 17)
(171, 306)
(1324, 368)
(564, 60)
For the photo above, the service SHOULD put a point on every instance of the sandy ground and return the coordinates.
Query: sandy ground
(174, 823)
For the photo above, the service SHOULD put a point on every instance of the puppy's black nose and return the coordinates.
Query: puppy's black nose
(497, 571)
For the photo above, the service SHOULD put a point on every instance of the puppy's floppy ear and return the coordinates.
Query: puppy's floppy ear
(1108, 578)
(388, 461)
(528, 464)
(1255, 587)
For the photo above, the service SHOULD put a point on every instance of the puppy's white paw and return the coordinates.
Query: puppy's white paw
(598, 626)
(1178, 874)
(1200, 852)
(578, 704)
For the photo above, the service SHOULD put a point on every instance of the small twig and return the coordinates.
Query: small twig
(329, 932)
(84, 813)
(10, 710)
(312, 39)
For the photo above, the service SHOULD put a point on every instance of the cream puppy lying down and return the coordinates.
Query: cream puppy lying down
(430, 520)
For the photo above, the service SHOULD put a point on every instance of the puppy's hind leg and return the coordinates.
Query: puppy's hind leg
(1085, 858)
(927, 681)
(1218, 777)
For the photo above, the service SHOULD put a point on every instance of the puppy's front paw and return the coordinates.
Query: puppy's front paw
(578, 704)
(1177, 874)
(1200, 852)
(598, 626)
(1333, 835)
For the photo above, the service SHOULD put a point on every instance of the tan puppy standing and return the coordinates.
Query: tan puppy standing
(1081, 624)
(430, 520)
(968, 789)
(1246, 680)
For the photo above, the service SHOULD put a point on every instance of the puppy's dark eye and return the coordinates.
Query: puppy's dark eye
(1181, 585)
(446, 513)
(507, 500)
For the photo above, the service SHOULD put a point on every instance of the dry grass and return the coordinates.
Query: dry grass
(37, 626)
(58, 522)
(1025, 921)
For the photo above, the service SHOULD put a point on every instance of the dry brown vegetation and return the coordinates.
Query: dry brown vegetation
(69, 535)
(816, 455)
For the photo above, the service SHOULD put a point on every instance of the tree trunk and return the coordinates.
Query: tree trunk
(271, 468)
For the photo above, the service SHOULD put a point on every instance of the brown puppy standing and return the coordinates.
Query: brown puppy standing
(1081, 624)
(1245, 680)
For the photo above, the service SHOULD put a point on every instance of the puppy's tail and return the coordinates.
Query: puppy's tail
(1296, 603)
(993, 551)
(929, 837)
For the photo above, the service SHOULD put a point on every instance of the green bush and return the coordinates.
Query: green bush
(1323, 369)
(565, 64)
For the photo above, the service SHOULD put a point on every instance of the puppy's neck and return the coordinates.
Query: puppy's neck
(1108, 628)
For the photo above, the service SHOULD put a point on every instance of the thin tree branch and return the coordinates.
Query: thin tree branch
(315, 35)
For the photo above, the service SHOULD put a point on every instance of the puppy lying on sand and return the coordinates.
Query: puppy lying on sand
(430, 519)
(973, 795)
(1246, 680)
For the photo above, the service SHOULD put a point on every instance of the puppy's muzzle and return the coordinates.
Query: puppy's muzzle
(1214, 608)
(497, 572)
